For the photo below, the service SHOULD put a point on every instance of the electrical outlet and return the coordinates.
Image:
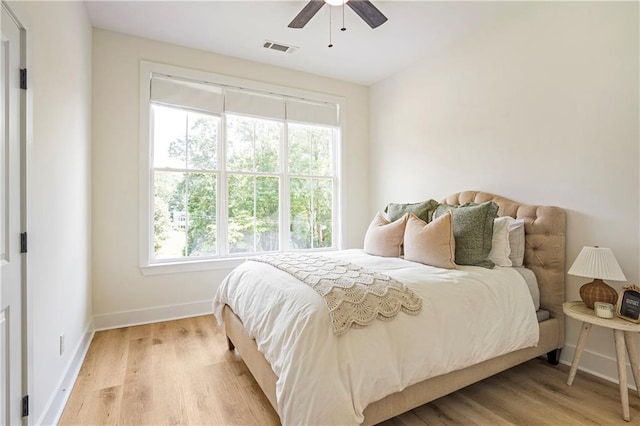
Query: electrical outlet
(61, 344)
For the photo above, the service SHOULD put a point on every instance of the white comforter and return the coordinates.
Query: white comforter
(469, 315)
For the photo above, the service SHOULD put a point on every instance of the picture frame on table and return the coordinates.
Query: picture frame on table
(628, 306)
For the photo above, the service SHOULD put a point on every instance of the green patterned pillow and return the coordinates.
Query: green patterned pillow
(472, 230)
(423, 210)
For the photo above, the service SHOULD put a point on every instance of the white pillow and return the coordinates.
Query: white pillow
(516, 241)
(500, 249)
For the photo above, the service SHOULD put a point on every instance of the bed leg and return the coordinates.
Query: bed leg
(230, 344)
(553, 357)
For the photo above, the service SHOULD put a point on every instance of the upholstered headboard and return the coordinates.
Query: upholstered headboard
(544, 244)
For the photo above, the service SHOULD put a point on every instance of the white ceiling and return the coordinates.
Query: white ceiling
(415, 29)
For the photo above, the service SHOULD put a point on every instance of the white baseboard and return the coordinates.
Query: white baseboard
(54, 407)
(596, 364)
(151, 315)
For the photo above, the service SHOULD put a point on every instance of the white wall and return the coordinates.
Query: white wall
(58, 195)
(118, 284)
(541, 108)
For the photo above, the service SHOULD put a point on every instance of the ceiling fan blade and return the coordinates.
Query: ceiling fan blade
(368, 12)
(307, 12)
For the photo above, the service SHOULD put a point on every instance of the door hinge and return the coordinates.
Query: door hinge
(25, 406)
(23, 78)
(23, 242)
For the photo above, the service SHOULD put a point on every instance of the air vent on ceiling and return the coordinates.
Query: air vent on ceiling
(279, 47)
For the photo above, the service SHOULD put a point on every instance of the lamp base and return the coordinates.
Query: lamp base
(598, 291)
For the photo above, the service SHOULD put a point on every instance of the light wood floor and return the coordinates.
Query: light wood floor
(180, 372)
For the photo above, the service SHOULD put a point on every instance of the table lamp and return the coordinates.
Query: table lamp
(598, 263)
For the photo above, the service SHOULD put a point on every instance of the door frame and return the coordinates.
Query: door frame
(26, 311)
(26, 328)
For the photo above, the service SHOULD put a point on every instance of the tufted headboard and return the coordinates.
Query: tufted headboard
(544, 245)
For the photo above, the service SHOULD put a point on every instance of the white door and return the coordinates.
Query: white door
(10, 224)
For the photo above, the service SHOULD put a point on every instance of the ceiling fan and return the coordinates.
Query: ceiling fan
(367, 11)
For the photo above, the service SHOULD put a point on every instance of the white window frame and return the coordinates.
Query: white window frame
(148, 266)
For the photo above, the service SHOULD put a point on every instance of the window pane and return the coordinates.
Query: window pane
(184, 139)
(253, 144)
(202, 141)
(184, 214)
(169, 215)
(201, 220)
(253, 214)
(310, 150)
(268, 135)
(267, 214)
(169, 136)
(321, 144)
(323, 213)
(300, 213)
(311, 213)
(299, 150)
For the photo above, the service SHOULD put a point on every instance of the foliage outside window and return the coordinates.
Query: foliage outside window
(229, 184)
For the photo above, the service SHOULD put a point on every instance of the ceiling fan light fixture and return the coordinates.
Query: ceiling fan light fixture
(363, 8)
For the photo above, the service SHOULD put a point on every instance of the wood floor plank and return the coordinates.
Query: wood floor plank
(496, 400)
(431, 414)
(468, 412)
(110, 348)
(551, 390)
(201, 390)
(561, 398)
(259, 405)
(167, 392)
(192, 341)
(407, 419)
(140, 331)
(138, 383)
(546, 414)
(474, 411)
(181, 372)
(106, 405)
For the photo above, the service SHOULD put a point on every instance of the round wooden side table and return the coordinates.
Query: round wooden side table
(622, 334)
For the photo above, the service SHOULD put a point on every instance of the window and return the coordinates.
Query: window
(234, 169)
(185, 176)
(311, 186)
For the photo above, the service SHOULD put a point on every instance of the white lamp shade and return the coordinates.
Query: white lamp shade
(597, 262)
(336, 2)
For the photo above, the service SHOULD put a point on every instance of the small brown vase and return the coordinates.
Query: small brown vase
(598, 291)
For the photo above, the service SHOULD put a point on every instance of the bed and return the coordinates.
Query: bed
(398, 391)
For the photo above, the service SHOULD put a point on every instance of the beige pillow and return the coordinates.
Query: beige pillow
(430, 243)
(385, 238)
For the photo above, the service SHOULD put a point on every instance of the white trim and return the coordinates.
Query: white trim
(341, 169)
(190, 266)
(151, 315)
(55, 406)
(339, 209)
(598, 365)
(145, 201)
(208, 264)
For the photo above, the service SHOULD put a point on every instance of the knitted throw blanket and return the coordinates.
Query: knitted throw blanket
(355, 296)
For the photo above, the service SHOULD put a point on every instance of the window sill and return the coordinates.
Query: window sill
(205, 264)
(190, 266)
